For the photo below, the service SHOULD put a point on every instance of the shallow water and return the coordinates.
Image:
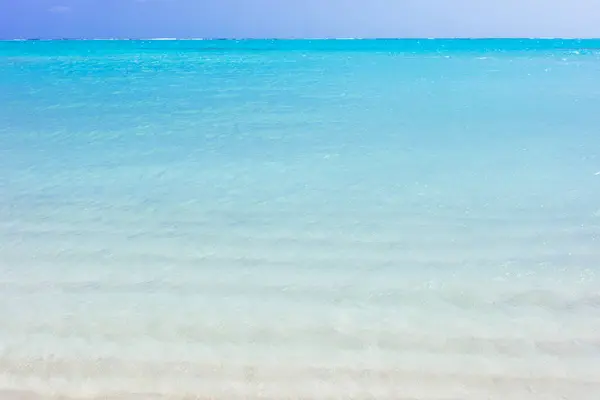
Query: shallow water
(300, 219)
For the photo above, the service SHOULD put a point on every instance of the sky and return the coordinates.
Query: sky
(298, 18)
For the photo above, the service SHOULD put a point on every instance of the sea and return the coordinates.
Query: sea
(300, 219)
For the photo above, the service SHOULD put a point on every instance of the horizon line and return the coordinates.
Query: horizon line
(292, 38)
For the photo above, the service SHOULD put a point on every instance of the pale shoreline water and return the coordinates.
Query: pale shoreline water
(299, 220)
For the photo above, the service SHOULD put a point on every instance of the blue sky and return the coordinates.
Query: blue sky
(299, 18)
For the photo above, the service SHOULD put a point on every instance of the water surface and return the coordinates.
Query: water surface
(360, 219)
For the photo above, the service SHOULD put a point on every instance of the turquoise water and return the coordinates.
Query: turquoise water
(390, 219)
